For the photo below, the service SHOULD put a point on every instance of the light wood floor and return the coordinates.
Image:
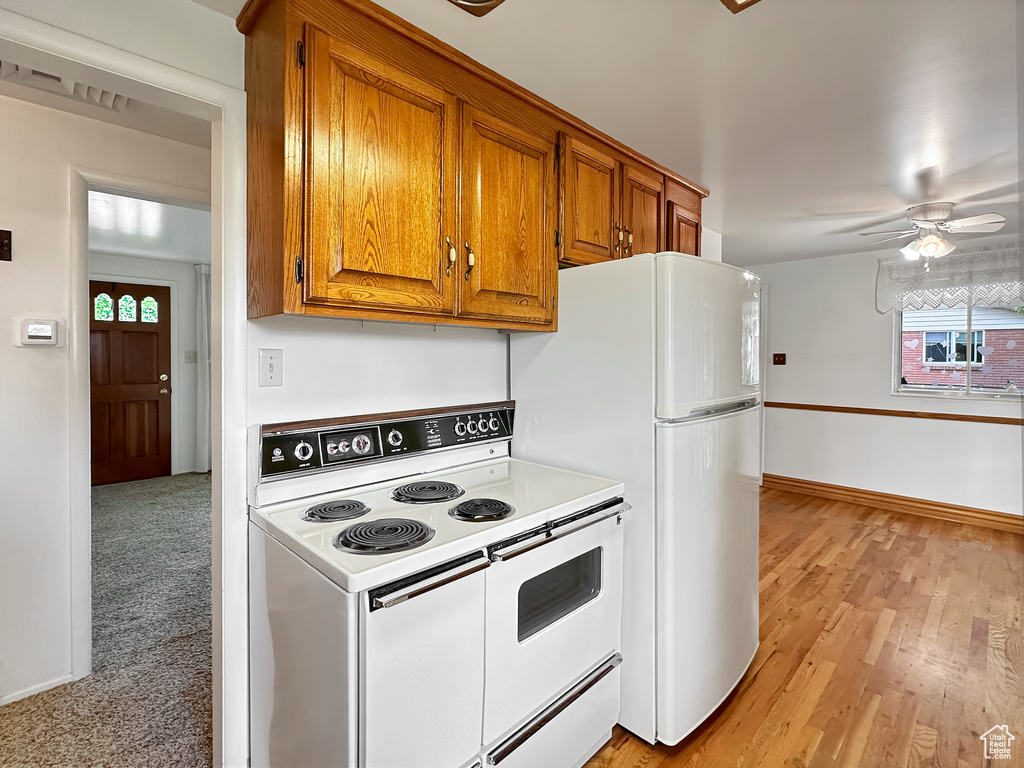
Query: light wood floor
(887, 640)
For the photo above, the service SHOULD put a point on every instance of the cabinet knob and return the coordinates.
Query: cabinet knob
(471, 260)
(452, 256)
(163, 391)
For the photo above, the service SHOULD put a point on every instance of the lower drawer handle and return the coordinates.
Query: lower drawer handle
(518, 739)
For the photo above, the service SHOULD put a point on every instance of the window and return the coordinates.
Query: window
(103, 307)
(958, 322)
(150, 312)
(126, 309)
(934, 351)
(942, 347)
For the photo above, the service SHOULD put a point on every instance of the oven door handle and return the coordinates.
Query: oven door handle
(516, 740)
(551, 535)
(429, 585)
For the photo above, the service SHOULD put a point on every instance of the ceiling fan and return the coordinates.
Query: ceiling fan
(929, 222)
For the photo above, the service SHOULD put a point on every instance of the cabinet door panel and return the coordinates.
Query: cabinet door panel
(508, 209)
(379, 187)
(643, 194)
(683, 231)
(591, 181)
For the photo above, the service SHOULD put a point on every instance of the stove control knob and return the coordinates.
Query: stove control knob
(482, 425)
(361, 444)
(494, 423)
(471, 427)
(343, 446)
(395, 437)
(332, 448)
(460, 428)
(303, 451)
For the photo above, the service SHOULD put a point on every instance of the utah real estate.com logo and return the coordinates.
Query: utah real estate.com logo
(997, 742)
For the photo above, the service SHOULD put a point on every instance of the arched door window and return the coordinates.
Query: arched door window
(150, 310)
(126, 309)
(103, 307)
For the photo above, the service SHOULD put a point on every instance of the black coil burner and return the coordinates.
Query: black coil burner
(481, 510)
(331, 511)
(426, 492)
(381, 537)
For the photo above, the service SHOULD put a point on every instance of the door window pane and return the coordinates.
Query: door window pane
(126, 309)
(546, 598)
(103, 307)
(149, 310)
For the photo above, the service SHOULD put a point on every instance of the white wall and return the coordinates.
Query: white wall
(821, 314)
(39, 147)
(335, 367)
(181, 278)
(710, 244)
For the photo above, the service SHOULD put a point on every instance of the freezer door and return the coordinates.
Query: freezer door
(707, 518)
(707, 334)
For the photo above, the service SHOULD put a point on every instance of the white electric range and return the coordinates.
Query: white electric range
(418, 598)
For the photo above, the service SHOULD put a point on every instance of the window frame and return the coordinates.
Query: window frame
(909, 390)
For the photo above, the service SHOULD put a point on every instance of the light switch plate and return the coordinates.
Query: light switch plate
(271, 368)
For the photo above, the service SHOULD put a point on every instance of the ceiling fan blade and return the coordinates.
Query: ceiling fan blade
(900, 236)
(973, 221)
(993, 227)
(899, 232)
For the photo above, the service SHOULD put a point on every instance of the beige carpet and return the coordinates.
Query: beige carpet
(148, 700)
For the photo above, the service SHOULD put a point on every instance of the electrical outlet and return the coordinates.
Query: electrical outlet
(779, 358)
(271, 368)
(5, 245)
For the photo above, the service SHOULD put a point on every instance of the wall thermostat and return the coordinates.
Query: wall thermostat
(39, 333)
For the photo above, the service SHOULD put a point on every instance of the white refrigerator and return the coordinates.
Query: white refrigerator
(653, 378)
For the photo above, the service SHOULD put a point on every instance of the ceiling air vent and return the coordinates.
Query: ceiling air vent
(44, 81)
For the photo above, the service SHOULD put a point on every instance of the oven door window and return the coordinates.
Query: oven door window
(546, 598)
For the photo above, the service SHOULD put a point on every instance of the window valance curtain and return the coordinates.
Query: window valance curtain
(987, 277)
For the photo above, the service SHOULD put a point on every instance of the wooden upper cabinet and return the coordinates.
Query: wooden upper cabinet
(642, 205)
(590, 180)
(380, 149)
(381, 161)
(509, 209)
(683, 214)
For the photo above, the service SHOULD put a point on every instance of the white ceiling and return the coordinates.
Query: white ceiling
(809, 120)
(121, 225)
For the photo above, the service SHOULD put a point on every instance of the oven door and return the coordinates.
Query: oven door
(422, 652)
(554, 600)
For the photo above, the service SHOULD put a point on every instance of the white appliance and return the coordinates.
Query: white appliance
(418, 599)
(665, 348)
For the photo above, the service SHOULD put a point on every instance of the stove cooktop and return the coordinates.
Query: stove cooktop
(431, 531)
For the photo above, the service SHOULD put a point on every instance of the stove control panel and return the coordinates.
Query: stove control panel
(296, 449)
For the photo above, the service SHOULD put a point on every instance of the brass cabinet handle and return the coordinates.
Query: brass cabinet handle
(618, 237)
(163, 391)
(163, 377)
(629, 241)
(452, 256)
(472, 260)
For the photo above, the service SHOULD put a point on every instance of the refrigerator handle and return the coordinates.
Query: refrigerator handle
(715, 410)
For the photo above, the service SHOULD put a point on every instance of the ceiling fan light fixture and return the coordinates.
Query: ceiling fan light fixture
(911, 251)
(935, 246)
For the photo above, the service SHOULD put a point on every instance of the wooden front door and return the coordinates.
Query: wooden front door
(130, 369)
